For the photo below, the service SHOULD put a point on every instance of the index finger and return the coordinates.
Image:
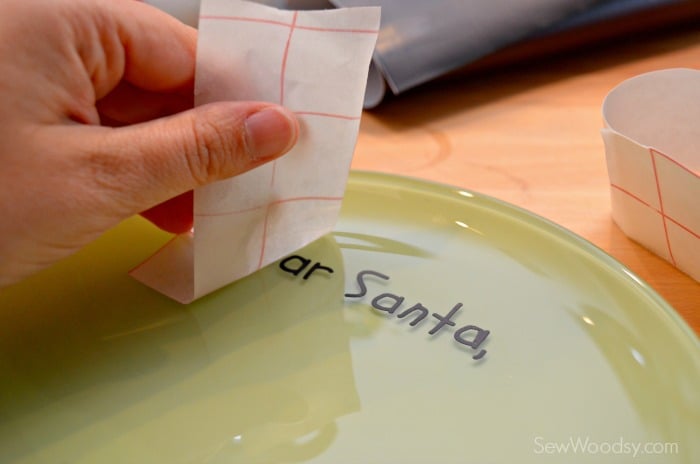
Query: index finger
(159, 50)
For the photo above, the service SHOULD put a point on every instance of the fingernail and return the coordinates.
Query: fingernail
(270, 132)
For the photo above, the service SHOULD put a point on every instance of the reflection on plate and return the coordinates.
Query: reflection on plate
(434, 325)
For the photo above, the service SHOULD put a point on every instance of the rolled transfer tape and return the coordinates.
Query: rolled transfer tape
(652, 147)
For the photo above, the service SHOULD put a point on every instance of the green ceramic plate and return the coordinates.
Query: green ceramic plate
(434, 326)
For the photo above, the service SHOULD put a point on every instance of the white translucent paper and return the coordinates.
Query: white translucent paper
(652, 142)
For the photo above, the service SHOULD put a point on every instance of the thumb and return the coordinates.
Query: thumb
(143, 165)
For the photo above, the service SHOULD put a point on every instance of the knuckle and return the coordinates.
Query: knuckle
(210, 156)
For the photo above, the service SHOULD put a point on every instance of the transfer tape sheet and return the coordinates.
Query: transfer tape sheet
(314, 63)
(652, 140)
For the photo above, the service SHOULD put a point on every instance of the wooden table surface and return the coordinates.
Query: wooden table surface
(529, 134)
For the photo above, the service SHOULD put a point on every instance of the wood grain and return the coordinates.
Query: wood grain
(529, 134)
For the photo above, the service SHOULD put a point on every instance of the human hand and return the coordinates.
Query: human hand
(69, 69)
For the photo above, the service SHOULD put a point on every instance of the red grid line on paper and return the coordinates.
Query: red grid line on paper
(244, 19)
(264, 237)
(327, 115)
(661, 206)
(339, 29)
(661, 211)
(630, 194)
(283, 72)
(285, 24)
(668, 158)
(272, 203)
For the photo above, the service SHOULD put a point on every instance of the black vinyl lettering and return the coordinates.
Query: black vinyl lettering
(476, 342)
(317, 267)
(422, 314)
(390, 296)
(390, 303)
(361, 283)
(444, 320)
(285, 264)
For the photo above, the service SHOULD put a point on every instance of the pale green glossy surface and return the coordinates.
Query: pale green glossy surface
(97, 368)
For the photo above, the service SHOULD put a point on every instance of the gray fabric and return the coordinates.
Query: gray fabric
(421, 40)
